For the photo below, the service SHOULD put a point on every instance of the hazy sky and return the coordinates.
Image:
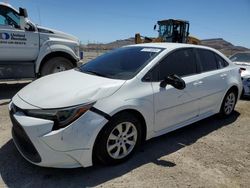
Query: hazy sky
(108, 20)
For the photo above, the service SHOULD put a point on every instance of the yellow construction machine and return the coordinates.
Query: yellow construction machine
(170, 30)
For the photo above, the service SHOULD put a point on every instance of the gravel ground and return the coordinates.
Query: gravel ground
(210, 153)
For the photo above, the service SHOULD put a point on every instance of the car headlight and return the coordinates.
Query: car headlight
(61, 117)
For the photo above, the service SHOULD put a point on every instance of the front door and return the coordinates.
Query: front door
(174, 107)
(18, 48)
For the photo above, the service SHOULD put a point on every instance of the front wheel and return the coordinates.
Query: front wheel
(119, 139)
(56, 64)
(228, 103)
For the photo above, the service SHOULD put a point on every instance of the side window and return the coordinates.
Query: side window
(9, 17)
(152, 75)
(3, 20)
(221, 62)
(207, 60)
(181, 62)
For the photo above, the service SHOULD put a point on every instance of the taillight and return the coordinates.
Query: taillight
(241, 70)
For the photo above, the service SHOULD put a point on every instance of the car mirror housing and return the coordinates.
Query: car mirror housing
(23, 18)
(23, 12)
(173, 80)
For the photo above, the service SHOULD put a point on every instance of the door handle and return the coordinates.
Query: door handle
(223, 75)
(198, 83)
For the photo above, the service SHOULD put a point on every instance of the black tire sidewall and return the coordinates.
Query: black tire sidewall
(222, 110)
(100, 149)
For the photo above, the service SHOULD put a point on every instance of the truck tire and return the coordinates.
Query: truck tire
(56, 64)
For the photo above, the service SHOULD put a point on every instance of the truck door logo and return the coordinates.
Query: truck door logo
(12, 39)
(4, 36)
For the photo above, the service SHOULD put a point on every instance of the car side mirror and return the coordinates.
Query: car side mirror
(154, 27)
(23, 18)
(23, 12)
(173, 80)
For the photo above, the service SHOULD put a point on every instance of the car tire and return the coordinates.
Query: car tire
(118, 140)
(228, 104)
(56, 64)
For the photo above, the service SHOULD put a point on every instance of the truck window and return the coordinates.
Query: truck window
(9, 17)
(2, 20)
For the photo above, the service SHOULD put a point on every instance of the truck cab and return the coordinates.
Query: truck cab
(173, 30)
(30, 51)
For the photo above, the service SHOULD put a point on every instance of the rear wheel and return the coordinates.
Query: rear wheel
(56, 64)
(228, 103)
(118, 140)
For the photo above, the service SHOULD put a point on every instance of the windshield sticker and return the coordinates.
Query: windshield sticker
(151, 50)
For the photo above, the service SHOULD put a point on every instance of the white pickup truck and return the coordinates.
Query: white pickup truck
(30, 51)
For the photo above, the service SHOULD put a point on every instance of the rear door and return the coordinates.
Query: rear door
(173, 106)
(212, 79)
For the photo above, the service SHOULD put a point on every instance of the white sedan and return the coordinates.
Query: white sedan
(242, 60)
(106, 108)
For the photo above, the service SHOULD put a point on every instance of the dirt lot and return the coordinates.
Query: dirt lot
(210, 153)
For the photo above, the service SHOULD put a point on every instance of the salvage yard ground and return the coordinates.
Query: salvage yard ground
(210, 153)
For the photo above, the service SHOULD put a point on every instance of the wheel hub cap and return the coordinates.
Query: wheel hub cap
(59, 68)
(122, 140)
(229, 103)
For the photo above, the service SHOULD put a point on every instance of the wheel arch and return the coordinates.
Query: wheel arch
(57, 54)
(131, 111)
(232, 87)
(139, 115)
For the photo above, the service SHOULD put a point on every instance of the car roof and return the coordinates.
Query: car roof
(7, 5)
(171, 46)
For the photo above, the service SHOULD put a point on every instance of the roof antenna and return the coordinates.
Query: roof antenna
(39, 15)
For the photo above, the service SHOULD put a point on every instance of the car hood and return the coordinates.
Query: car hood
(68, 88)
(55, 33)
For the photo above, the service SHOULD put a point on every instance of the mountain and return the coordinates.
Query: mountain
(108, 46)
(218, 43)
(223, 46)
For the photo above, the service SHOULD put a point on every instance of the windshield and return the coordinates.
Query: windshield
(9, 17)
(123, 63)
(241, 57)
(165, 30)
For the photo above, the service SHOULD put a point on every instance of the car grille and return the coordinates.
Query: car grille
(22, 140)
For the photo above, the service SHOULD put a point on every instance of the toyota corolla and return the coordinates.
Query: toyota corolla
(107, 107)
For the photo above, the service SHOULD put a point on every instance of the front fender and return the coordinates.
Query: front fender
(50, 47)
(144, 107)
(65, 49)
